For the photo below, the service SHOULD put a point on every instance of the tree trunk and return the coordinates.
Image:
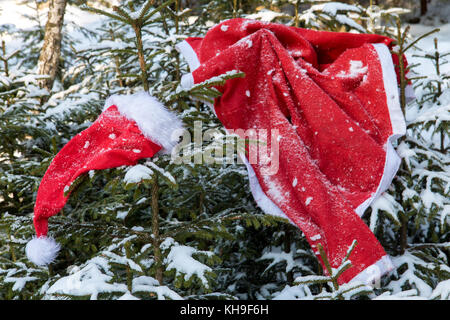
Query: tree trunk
(155, 231)
(51, 51)
(423, 7)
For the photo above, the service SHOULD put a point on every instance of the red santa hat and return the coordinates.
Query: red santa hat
(131, 127)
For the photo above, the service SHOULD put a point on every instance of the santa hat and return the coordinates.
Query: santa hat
(131, 127)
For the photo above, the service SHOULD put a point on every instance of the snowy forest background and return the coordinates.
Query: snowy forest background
(210, 240)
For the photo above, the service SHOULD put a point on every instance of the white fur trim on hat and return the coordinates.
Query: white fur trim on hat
(156, 123)
(42, 251)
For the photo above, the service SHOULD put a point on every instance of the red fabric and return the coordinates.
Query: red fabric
(333, 127)
(320, 48)
(111, 141)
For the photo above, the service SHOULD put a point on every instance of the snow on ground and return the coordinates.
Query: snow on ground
(12, 13)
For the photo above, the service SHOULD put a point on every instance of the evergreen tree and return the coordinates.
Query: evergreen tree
(177, 230)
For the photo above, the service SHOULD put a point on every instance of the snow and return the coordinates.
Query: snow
(409, 276)
(308, 201)
(36, 92)
(138, 173)
(333, 7)
(66, 106)
(425, 66)
(180, 259)
(167, 243)
(161, 171)
(128, 296)
(437, 113)
(386, 203)
(343, 19)
(265, 15)
(5, 80)
(187, 81)
(356, 68)
(136, 13)
(150, 284)
(19, 283)
(121, 215)
(442, 290)
(103, 45)
(12, 13)
(116, 259)
(278, 255)
(88, 281)
(300, 292)
(404, 295)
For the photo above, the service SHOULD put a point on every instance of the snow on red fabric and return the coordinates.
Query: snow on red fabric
(333, 99)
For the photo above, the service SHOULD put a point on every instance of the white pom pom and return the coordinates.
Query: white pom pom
(42, 251)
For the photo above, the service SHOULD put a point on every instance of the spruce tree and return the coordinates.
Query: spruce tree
(124, 231)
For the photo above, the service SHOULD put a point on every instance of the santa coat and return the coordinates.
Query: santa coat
(332, 100)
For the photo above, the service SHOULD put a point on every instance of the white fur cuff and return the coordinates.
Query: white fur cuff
(156, 123)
